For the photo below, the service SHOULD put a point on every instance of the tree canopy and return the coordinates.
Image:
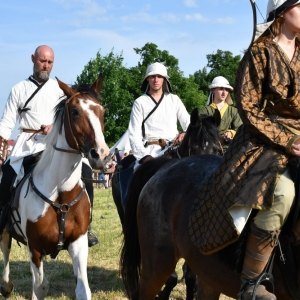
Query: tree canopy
(121, 85)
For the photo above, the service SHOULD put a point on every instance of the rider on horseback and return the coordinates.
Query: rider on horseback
(219, 98)
(255, 174)
(154, 115)
(32, 103)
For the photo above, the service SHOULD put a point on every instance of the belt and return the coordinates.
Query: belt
(34, 131)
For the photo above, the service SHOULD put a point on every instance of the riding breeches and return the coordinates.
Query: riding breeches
(274, 217)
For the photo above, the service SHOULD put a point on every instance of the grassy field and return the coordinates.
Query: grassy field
(103, 261)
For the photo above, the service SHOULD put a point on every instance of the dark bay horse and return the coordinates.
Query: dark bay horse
(202, 136)
(52, 210)
(156, 236)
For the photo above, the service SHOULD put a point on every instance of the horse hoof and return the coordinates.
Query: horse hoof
(6, 289)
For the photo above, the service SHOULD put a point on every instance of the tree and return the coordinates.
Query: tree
(116, 93)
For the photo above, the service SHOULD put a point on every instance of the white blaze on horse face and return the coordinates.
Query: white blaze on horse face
(102, 149)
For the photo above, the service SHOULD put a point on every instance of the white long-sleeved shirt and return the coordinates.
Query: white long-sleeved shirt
(41, 113)
(162, 124)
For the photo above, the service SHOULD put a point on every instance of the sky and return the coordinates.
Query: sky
(78, 29)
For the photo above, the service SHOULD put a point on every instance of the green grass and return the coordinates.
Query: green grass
(103, 261)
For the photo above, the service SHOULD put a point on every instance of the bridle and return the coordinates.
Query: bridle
(66, 118)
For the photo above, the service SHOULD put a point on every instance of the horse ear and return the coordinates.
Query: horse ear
(97, 85)
(217, 117)
(66, 89)
(194, 116)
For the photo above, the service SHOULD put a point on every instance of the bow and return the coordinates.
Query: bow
(253, 5)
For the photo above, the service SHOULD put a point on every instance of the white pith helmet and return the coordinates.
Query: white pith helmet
(157, 69)
(220, 81)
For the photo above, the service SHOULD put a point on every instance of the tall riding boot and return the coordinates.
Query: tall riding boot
(4, 214)
(260, 245)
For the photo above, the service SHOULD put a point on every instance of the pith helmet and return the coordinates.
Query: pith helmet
(220, 81)
(157, 69)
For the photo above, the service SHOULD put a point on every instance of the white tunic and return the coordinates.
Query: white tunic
(41, 113)
(162, 124)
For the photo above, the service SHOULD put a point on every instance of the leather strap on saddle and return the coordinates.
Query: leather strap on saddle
(3, 148)
(161, 142)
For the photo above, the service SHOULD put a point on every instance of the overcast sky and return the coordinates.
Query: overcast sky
(77, 29)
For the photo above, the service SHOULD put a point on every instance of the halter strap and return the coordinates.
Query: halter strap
(64, 208)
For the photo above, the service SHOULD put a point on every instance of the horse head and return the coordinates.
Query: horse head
(202, 135)
(84, 122)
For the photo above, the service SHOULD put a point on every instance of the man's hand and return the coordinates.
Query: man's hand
(179, 137)
(46, 129)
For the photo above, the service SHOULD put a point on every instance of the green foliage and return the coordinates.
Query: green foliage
(121, 85)
(117, 93)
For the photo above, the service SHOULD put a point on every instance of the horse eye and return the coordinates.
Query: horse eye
(75, 112)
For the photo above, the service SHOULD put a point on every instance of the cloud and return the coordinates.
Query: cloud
(227, 20)
(190, 3)
(196, 17)
(142, 17)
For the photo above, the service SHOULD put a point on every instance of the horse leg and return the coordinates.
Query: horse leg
(156, 269)
(205, 292)
(6, 286)
(169, 285)
(78, 251)
(40, 284)
(190, 282)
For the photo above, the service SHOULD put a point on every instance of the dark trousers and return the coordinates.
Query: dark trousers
(9, 175)
(87, 172)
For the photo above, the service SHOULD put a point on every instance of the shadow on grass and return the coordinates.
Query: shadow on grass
(62, 281)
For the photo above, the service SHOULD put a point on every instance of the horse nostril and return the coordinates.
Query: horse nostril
(94, 154)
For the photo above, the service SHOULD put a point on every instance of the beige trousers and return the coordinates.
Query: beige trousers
(274, 217)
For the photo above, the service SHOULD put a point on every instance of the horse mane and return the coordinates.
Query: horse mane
(51, 138)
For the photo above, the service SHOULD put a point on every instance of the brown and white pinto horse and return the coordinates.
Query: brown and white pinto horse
(53, 210)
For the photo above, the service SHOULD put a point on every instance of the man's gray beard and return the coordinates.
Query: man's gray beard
(42, 75)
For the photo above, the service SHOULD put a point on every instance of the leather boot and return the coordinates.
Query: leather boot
(92, 239)
(4, 214)
(260, 245)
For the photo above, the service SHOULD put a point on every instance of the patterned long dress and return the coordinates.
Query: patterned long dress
(267, 94)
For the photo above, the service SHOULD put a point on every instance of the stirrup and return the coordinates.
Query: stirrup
(264, 276)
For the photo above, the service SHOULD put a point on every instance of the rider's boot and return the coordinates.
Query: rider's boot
(260, 245)
(4, 213)
(92, 239)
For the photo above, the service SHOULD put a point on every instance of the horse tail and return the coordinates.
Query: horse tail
(130, 259)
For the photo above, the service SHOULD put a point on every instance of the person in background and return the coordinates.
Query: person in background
(101, 177)
(219, 98)
(154, 115)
